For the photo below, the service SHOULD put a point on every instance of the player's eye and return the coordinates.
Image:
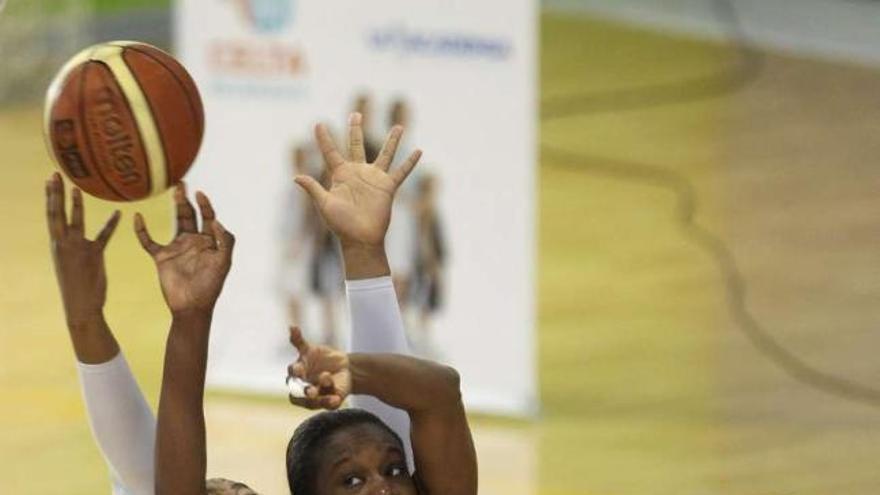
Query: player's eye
(353, 481)
(397, 471)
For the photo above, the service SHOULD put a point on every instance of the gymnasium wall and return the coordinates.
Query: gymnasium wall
(824, 28)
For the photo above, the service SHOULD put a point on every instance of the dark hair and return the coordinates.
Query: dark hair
(310, 437)
(221, 486)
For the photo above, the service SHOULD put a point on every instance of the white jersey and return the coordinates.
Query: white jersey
(124, 426)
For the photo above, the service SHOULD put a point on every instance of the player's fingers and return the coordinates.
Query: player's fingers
(77, 220)
(50, 214)
(404, 170)
(207, 211)
(57, 205)
(332, 157)
(314, 188)
(356, 138)
(108, 229)
(60, 197)
(325, 383)
(325, 379)
(224, 239)
(389, 149)
(296, 370)
(300, 370)
(298, 341)
(53, 212)
(312, 392)
(304, 402)
(186, 214)
(330, 401)
(140, 228)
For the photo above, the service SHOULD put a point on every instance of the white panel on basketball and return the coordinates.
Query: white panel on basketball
(111, 54)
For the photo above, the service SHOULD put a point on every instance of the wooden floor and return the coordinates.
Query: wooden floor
(801, 186)
(785, 172)
(649, 385)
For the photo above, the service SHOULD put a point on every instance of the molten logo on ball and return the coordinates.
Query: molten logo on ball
(114, 138)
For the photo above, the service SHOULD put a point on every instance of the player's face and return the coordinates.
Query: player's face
(364, 460)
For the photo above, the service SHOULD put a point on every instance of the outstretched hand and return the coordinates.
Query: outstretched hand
(357, 206)
(79, 262)
(193, 267)
(325, 368)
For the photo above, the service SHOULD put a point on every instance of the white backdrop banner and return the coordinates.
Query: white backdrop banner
(462, 76)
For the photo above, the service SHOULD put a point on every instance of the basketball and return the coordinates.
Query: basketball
(123, 120)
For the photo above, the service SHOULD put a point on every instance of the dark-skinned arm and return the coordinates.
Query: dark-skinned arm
(445, 458)
(181, 456)
(123, 426)
(192, 270)
(357, 208)
(81, 274)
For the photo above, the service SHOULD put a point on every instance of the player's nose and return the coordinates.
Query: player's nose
(379, 485)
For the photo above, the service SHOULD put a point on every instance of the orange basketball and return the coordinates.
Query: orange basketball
(123, 120)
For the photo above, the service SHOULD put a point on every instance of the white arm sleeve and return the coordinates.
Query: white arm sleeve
(122, 423)
(377, 326)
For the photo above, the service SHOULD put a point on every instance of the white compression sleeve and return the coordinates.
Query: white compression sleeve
(377, 326)
(122, 423)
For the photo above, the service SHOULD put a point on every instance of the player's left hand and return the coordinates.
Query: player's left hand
(79, 262)
(325, 368)
(357, 207)
(193, 267)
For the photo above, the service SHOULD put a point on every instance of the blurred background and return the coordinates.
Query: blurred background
(708, 270)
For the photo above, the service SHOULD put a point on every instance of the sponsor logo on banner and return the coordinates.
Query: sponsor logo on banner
(264, 61)
(403, 41)
(267, 15)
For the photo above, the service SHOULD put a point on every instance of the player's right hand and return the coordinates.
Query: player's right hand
(357, 207)
(79, 262)
(193, 267)
(325, 369)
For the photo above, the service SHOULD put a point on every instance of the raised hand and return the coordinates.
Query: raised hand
(193, 267)
(79, 262)
(357, 207)
(327, 369)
